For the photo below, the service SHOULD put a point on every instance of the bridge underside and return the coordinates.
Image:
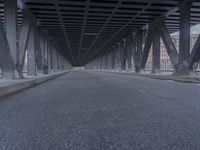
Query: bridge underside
(98, 34)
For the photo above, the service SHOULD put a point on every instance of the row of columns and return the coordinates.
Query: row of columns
(136, 48)
(43, 54)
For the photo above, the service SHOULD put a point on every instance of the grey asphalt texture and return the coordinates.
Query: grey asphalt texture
(85, 110)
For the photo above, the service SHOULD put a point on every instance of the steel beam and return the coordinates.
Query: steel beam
(58, 61)
(147, 46)
(170, 47)
(11, 26)
(6, 61)
(11, 32)
(55, 60)
(105, 62)
(156, 51)
(38, 52)
(50, 57)
(118, 57)
(184, 37)
(46, 45)
(195, 54)
(23, 40)
(113, 60)
(31, 56)
(129, 55)
(124, 54)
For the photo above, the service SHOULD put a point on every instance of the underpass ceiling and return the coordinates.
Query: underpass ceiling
(85, 29)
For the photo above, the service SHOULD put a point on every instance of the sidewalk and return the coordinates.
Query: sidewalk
(11, 86)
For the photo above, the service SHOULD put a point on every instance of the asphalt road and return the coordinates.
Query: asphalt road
(102, 111)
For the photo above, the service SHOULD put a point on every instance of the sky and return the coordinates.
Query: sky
(194, 30)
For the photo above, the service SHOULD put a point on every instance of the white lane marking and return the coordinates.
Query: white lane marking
(141, 90)
(170, 81)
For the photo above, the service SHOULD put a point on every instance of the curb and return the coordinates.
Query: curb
(173, 78)
(16, 87)
(184, 79)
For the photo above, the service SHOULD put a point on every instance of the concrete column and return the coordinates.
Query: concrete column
(184, 39)
(31, 59)
(156, 52)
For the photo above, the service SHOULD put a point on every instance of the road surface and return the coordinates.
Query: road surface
(102, 111)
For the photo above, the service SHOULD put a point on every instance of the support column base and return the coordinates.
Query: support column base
(17, 74)
(45, 71)
(137, 69)
(7, 75)
(182, 69)
(155, 71)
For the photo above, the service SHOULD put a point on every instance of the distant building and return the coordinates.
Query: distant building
(165, 63)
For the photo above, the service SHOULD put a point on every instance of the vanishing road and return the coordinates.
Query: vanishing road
(102, 111)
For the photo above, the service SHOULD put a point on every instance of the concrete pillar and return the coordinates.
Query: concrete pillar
(156, 52)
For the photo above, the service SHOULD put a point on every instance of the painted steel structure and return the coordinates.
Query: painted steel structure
(97, 34)
(20, 38)
(180, 18)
